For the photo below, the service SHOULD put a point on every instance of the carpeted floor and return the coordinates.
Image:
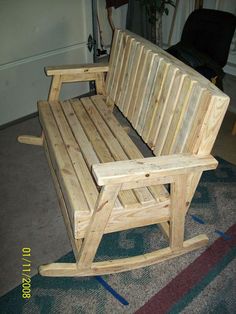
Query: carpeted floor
(199, 282)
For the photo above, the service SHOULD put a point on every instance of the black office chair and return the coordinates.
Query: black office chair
(205, 42)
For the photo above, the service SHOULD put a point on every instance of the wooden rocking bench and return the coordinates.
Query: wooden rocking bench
(103, 182)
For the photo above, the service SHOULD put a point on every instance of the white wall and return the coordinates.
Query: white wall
(35, 34)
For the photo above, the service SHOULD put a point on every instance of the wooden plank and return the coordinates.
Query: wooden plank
(112, 143)
(81, 170)
(148, 94)
(55, 88)
(178, 115)
(31, 140)
(125, 69)
(97, 225)
(143, 86)
(169, 112)
(77, 69)
(79, 134)
(161, 106)
(133, 66)
(92, 134)
(137, 83)
(154, 102)
(151, 168)
(75, 243)
(123, 264)
(72, 191)
(127, 198)
(178, 212)
(117, 65)
(130, 149)
(189, 117)
(112, 59)
(211, 123)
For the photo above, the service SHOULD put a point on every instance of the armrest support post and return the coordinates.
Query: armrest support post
(76, 73)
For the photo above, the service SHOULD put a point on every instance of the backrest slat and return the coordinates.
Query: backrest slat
(172, 107)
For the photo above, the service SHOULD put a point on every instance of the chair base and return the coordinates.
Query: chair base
(121, 265)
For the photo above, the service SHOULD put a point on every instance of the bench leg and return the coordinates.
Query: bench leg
(86, 252)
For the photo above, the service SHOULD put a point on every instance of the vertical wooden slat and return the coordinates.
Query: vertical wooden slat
(143, 86)
(148, 93)
(112, 59)
(132, 80)
(159, 82)
(178, 115)
(125, 81)
(161, 106)
(170, 108)
(189, 116)
(119, 86)
(137, 83)
(118, 65)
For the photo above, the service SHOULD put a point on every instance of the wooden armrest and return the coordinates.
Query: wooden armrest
(76, 69)
(150, 168)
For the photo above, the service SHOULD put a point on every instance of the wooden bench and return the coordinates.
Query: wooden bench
(103, 182)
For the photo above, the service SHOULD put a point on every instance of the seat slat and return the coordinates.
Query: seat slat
(113, 145)
(143, 194)
(84, 176)
(73, 193)
(127, 198)
(80, 136)
(159, 192)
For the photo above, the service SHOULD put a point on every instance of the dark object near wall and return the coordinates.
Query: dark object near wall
(205, 42)
(138, 21)
(115, 3)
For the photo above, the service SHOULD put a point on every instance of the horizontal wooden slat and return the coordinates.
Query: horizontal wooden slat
(72, 191)
(81, 170)
(77, 69)
(129, 147)
(149, 168)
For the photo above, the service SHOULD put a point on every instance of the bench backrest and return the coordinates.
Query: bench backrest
(172, 107)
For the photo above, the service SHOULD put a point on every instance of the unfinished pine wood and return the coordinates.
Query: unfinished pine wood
(175, 111)
(99, 220)
(151, 167)
(31, 140)
(178, 212)
(75, 243)
(77, 69)
(55, 88)
(71, 187)
(124, 264)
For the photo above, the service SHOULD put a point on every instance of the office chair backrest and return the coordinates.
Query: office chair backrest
(210, 32)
